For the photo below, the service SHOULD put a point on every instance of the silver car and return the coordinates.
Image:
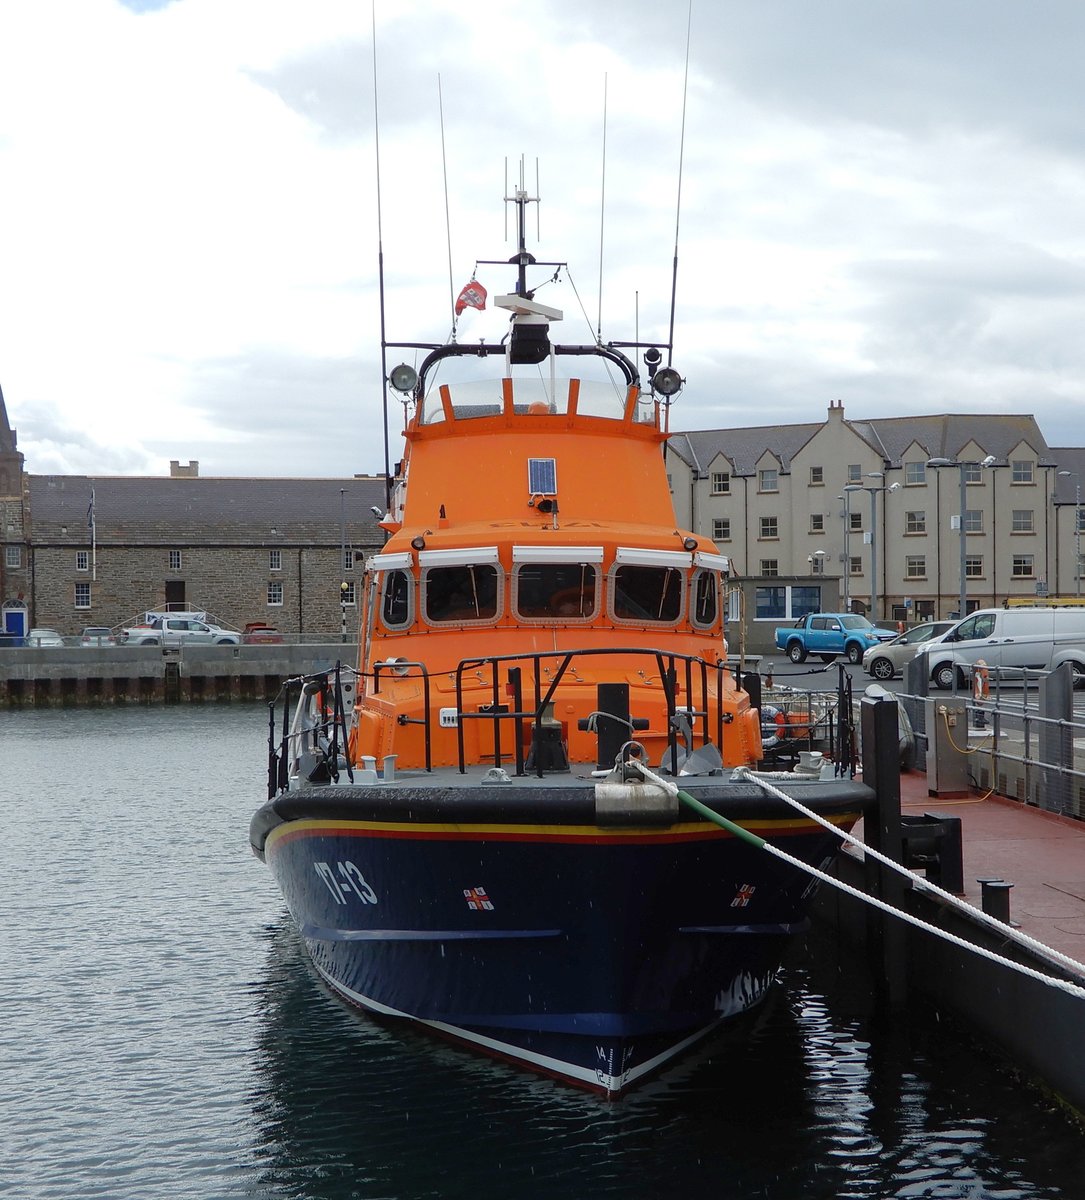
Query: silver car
(883, 662)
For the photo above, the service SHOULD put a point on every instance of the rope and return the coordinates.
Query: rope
(965, 749)
(591, 722)
(1000, 927)
(1071, 989)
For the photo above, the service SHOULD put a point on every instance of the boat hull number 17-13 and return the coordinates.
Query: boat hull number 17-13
(343, 879)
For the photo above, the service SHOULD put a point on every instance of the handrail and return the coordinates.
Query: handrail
(665, 664)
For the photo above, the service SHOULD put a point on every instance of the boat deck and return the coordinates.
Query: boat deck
(1041, 854)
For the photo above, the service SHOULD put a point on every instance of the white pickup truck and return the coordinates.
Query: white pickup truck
(177, 629)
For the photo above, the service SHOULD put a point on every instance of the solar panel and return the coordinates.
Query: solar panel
(542, 476)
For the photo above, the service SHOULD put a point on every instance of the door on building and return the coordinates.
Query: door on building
(175, 595)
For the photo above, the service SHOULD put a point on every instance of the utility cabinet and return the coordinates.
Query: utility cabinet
(947, 748)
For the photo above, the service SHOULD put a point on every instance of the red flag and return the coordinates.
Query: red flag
(472, 295)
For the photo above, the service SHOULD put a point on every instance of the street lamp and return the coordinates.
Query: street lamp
(873, 490)
(962, 467)
(846, 497)
(344, 587)
(817, 562)
(1077, 527)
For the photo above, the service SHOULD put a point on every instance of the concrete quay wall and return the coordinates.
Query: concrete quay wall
(73, 676)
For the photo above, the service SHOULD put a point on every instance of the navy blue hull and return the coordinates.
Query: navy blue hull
(594, 954)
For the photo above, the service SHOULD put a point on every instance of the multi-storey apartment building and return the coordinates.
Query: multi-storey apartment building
(882, 514)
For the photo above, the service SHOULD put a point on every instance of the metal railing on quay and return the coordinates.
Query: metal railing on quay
(1021, 736)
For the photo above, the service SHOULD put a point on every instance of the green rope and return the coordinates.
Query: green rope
(722, 822)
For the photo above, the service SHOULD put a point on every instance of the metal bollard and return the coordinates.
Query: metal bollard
(995, 900)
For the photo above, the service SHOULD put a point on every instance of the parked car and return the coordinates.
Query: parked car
(256, 632)
(1010, 640)
(168, 630)
(884, 662)
(44, 638)
(97, 635)
(830, 634)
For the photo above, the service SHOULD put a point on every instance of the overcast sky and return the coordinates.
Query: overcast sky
(882, 203)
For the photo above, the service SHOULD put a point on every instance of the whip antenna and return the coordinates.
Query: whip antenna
(448, 223)
(678, 204)
(380, 272)
(602, 214)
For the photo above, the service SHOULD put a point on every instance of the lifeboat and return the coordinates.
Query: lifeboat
(480, 827)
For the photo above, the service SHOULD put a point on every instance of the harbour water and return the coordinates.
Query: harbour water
(163, 1035)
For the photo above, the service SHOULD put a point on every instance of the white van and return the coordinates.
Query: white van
(1011, 639)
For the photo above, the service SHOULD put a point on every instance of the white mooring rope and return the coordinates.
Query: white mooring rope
(1070, 989)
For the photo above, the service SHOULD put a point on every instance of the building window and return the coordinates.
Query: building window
(275, 560)
(855, 472)
(817, 476)
(346, 594)
(973, 566)
(721, 483)
(82, 560)
(768, 480)
(13, 556)
(1022, 566)
(721, 529)
(817, 522)
(915, 566)
(82, 595)
(1022, 471)
(770, 528)
(274, 593)
(175, 560)
(1079, 516)
(973, 472)
(973, 520)
(770, 566)
(348, 559)
(855, 564)
(855, 521)
(1022, 521)
(776, 602)
(915, 472)
(915, 522)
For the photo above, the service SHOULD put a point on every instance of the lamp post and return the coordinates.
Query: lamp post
(873, 490)
(846, 497)
(1077, 528)
(962, 468)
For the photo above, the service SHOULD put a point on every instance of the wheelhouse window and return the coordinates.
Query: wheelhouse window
(705, 599)
(556, 591)
(647, 593)
(395, 603)
(460, 593)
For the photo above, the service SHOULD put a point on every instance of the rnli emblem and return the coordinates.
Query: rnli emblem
(743, 896)
(477, 899)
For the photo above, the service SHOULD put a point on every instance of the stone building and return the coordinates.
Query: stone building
(100, 550)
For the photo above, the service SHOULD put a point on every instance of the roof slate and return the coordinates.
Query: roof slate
(945, 435)
(134, 510)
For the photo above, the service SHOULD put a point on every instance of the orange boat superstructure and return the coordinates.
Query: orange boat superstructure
(532, 518)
